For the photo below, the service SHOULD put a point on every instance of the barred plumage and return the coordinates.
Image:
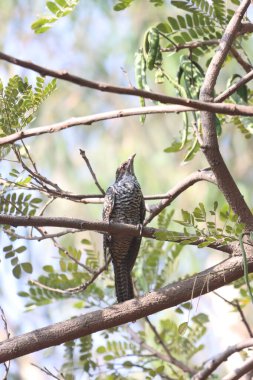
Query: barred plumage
(124, 203)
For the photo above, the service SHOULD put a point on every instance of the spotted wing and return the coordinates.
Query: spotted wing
(107, 211)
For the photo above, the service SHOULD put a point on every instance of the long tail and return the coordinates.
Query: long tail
(123, 281)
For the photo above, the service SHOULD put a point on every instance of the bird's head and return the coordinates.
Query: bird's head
(126, 167)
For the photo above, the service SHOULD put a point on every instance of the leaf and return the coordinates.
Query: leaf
(187, 305)
(20, 249)
(175, 147)
(127, 364)
(101, 350)
(52, 7)
(8, 248)
(39, 23)
(17, 271)
(48, 268)
(201, 318)
(27, 267)
(182, 328)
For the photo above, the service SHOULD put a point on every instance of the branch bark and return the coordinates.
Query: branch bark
(210, 145)
(211, 366)
(246, 367)
(169, 296)
(200, 175)
(112, 228)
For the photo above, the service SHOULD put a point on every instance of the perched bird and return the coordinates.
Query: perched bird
(124, 203)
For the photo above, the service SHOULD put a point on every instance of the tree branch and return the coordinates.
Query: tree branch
(171, 358)
(200, 175)
(210, 145)
(187, 106)
(112, 228)
(234, 87)
(211, 366)
(237, 306)
(169, 296)
(246, 367)
(83, 154)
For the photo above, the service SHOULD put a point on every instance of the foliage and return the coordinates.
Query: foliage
(200, 23)
(19, 103)
(123, 4)
(197, 225)
(76, 276)
(58, 9)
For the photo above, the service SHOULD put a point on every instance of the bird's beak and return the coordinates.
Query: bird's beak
(131, 163)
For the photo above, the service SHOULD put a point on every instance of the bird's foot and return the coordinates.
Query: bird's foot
(140, 228)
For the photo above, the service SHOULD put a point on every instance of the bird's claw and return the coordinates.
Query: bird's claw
(140, 228)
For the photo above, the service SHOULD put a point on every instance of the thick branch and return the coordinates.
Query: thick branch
(169, 296)
(211, 365)
(210, 146)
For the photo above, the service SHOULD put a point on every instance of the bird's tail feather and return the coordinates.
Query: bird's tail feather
(123, 282)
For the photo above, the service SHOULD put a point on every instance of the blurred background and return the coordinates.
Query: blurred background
(98, 43)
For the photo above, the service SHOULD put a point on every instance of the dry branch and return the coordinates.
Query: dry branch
(200, 175)
(211, 365)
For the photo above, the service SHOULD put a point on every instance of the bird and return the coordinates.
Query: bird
(123, 203)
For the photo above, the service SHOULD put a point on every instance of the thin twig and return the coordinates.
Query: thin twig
(7, 333)
(214, 363)
(42, 237)
(236, 305)
(200, 175)
(147, 347)
(82, 152)
(246, 66)
(234, 87)
(238, 373)
(173, 360)
(47, 372)
(77, 289)
(71, 257)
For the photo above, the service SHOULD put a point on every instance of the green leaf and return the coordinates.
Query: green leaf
(182, 328)
(36, 200)
(27, 267)
(62, 3)
(173, 23)
(23, 294)
(7, 248)
(122, 4)
(39, 23)
(160, 369)
(108, 358)
(52, 7)
(201, 318)
(127, 364)
(101, 350)
(48, 268)
(9, 255)
(187, 305)
(20, 249)
(17, 271)
(175, 147)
